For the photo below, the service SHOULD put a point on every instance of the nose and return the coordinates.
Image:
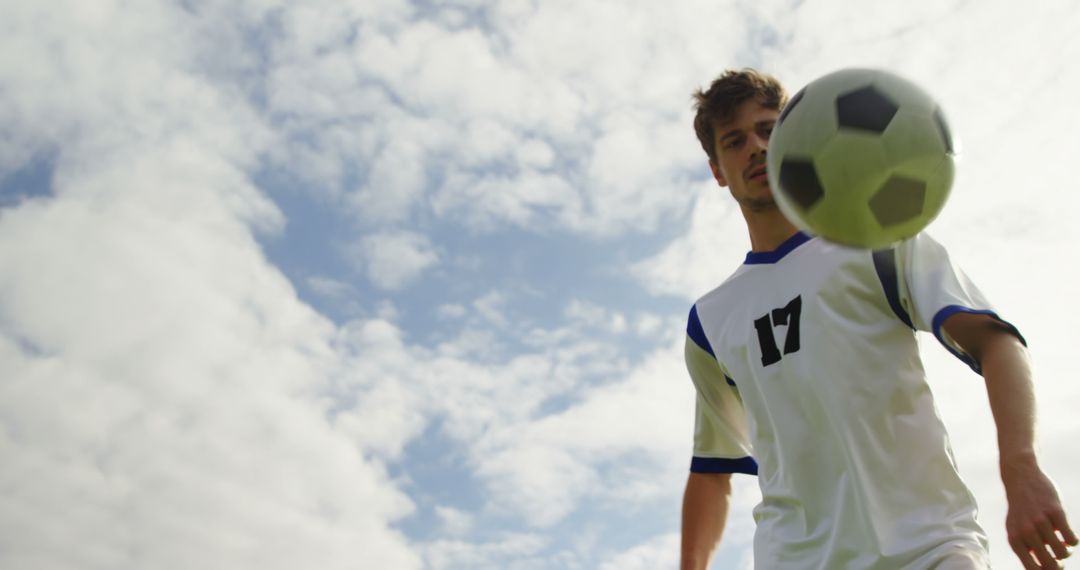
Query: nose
(759, 142)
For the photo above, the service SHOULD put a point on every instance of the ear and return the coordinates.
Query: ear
(716, 173)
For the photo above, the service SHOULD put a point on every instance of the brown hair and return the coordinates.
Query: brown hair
(717, 104)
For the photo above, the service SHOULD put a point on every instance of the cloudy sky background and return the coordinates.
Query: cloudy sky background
(402, 284)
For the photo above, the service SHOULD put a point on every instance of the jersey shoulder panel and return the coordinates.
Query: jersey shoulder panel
(936, 288)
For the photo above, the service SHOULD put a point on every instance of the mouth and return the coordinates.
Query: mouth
(757, 174)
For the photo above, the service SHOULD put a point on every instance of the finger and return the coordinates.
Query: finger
(1057, 518)
(1032, 540)
(1068, 552)
(1051, 539)
(1023, 552)
(1053, 562)
(1043, 555)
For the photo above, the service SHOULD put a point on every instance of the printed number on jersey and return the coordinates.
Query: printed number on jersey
(788, 316)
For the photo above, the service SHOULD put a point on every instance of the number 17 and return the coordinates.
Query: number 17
(787, 315)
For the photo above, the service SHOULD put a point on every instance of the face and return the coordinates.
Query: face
(740, 154)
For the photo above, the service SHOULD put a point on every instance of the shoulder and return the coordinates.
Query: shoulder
(713, 305)
(921, 243)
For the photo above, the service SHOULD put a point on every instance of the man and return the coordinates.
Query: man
(808, 375)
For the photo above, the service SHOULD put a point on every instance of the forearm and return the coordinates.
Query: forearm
(705, 507)
(1007, 371)
(1038, 530)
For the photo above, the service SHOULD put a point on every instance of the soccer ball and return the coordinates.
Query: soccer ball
(862, 158)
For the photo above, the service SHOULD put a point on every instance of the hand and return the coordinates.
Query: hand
(1038, 532)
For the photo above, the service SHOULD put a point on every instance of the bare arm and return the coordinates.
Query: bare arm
(705, 507)
(1035, 516)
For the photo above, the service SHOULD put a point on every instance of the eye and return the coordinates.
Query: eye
(732, 142)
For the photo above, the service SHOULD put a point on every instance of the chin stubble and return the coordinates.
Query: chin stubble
(759, 204)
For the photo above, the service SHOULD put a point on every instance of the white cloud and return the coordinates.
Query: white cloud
(379, 403)
(517, 550)
(660, 552)
(592, 315)
(159, 377)
(492, 309)
(541, 468)
(451, 311)
(126, 420)
(392, 260)
(483, 201)
(330, 287)
(572, 120)
(712, 247)
(455, 522)
(648, 325)
(537, 482)
(396, 178)
(537, 466)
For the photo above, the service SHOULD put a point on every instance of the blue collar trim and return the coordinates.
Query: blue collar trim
(763, 257)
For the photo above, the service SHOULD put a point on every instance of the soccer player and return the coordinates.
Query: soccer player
(808, 375)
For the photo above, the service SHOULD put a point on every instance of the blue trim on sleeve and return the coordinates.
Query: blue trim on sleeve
(696, 333)
(945, 313)
(764, 257)
(745, 465)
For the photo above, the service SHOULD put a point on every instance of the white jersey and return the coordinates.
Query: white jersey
(808, 374)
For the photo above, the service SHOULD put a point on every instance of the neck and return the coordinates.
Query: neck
(768, 229)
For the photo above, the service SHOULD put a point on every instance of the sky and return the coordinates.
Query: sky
(399, 284)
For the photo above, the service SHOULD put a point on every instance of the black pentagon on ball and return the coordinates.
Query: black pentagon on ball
(799, 181)
(791, 105)
(899, 200)
(866, 109)
(943, 128)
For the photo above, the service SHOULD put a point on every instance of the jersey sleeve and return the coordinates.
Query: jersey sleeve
(721, 440)
(933, 288)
